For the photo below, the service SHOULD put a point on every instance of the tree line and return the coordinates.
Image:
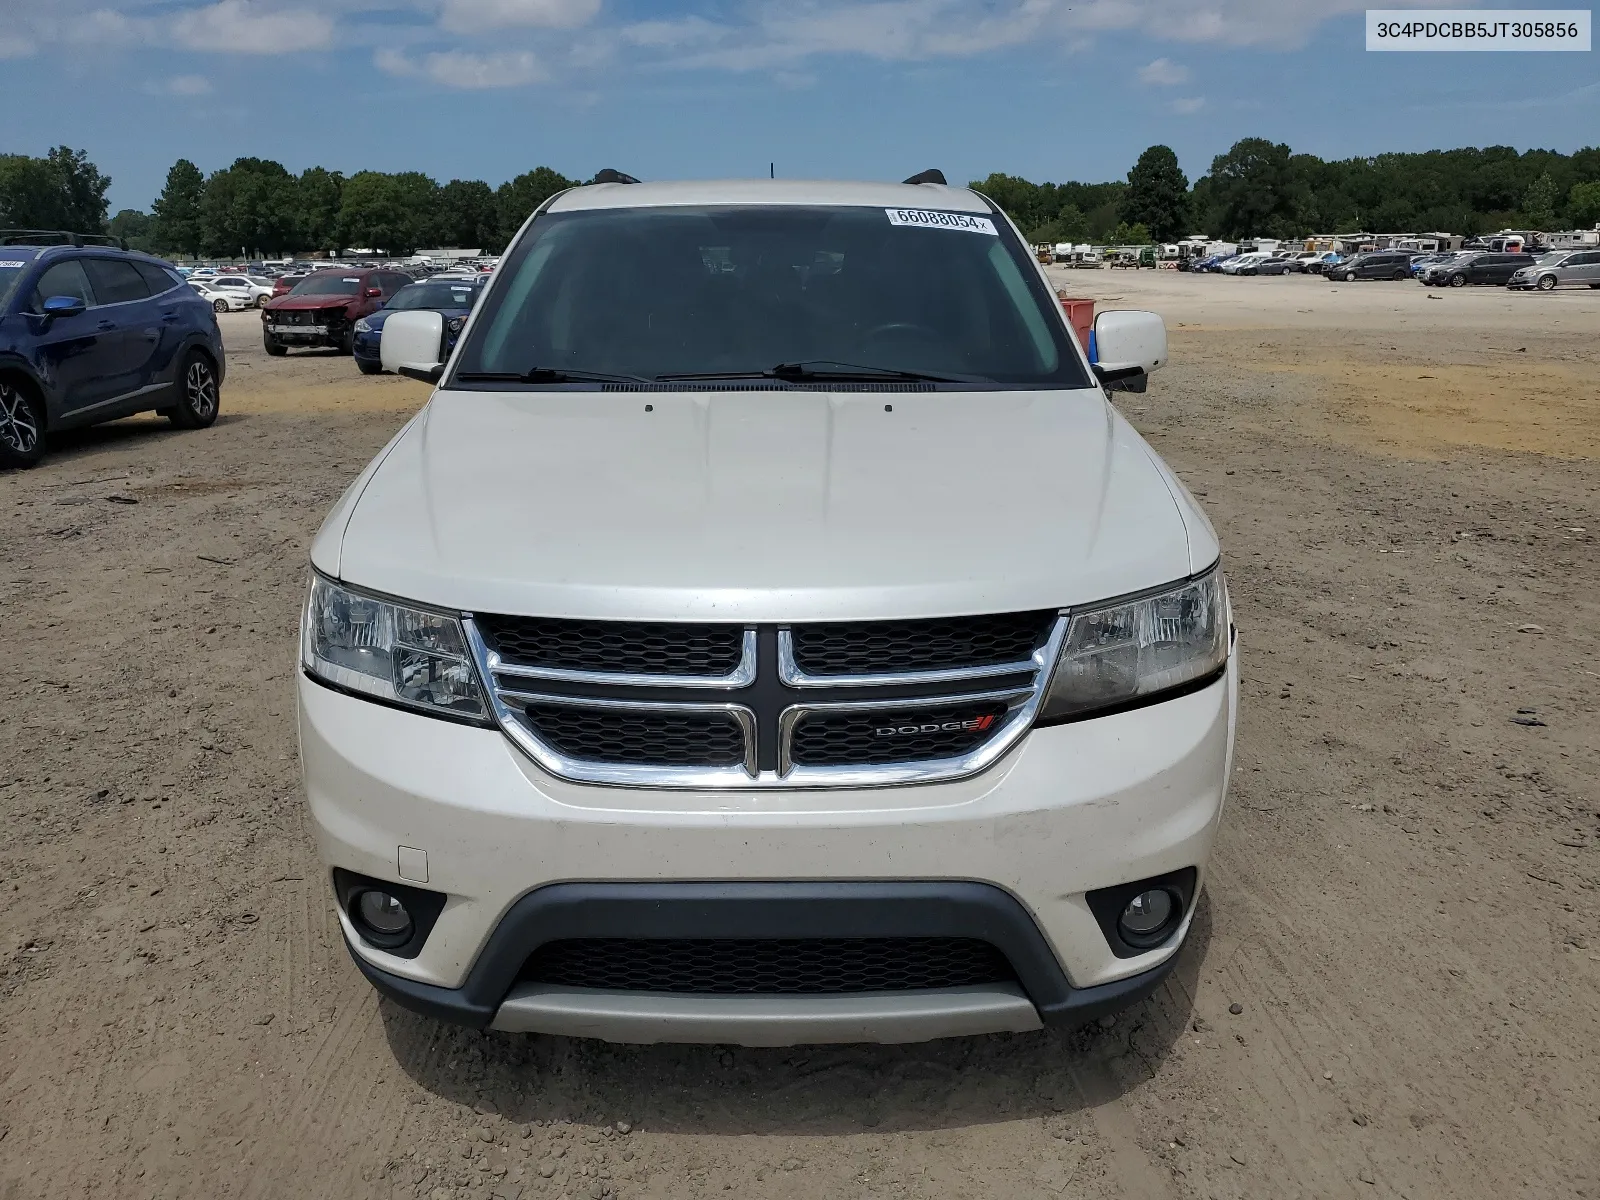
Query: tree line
(1257, 188)
(256, 206)
(1261, 188)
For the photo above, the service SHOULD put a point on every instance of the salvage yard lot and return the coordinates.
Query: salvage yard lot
(1394, 984)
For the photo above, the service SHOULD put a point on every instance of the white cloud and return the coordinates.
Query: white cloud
(673, 35)
(1163, 72)
(475, 16)
(460, 69)
(1187, 106)
(780, 33)
(480, 42)
(103, 27)
(252, 27)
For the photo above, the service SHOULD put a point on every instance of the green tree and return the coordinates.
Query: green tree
(1539, 203)
(135, 228)
(251, 207)
(1158, 195)
(517, 199)
(63, 190)
(1251, 191)
(391, 213)
(1069, 225)
(83, 190)
(178, 224)
(320, 193)
(1583, 205)
(1054, 211)
(1131, 235)
(29, 196)
(467, 216)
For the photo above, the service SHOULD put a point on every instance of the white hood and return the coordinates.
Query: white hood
(764, 506)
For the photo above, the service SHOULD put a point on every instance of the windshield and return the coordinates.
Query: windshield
(434, 295)
(663, 292)
(11, 270)
(327, 283)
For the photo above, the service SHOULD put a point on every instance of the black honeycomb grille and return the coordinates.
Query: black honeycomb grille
(615, 646)
(823, 739)
(639, 736)
(767, 966)
(872, 647)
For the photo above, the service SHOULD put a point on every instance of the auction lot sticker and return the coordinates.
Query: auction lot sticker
(1458, 29)
(924, 218)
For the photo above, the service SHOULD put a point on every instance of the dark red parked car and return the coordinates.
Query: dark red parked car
(323, 308)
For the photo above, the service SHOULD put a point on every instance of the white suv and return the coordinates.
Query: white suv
(256, 290)
(768, 633)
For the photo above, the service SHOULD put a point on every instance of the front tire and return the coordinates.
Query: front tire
(1546, 283)
(22, 423)
(198, 393)
(220, 306)
(369, 368)
(272, 346)
(1458, 281)
(1349, 276)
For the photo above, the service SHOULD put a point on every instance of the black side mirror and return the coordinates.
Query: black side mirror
(1121, 379)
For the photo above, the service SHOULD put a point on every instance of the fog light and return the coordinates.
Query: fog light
(383, 918)
(1148, 918)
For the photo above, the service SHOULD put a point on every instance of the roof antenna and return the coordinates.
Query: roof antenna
(932, 175)
(772, 170)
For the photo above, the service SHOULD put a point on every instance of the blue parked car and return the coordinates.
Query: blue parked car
(90, 332)
(452, 298)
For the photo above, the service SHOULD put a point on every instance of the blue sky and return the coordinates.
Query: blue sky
(485, 89)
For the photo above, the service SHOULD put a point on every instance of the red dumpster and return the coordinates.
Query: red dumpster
(1080, 315)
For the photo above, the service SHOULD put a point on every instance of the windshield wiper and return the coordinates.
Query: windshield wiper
(822, 370)
(546, 375)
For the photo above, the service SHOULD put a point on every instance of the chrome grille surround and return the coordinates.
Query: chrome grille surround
(788, 697)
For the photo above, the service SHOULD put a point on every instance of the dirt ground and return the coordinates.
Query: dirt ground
(1393, 988)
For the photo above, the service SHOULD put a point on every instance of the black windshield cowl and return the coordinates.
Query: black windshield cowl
(546, 375)
(819, 371)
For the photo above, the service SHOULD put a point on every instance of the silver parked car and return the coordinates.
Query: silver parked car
(1559, 268)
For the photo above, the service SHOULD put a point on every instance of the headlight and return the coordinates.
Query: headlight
(1119, 653)
(406, 655)
(363, 326)
(456, 324)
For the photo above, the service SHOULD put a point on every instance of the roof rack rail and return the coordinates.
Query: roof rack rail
(611, 175)
(931, 175)
(58, 237)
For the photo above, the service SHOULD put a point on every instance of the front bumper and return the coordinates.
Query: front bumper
(1071, 809)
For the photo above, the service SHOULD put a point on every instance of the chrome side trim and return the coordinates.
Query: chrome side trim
(767, 1020)
(741, 676)
(122, 399)
(790, 673)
